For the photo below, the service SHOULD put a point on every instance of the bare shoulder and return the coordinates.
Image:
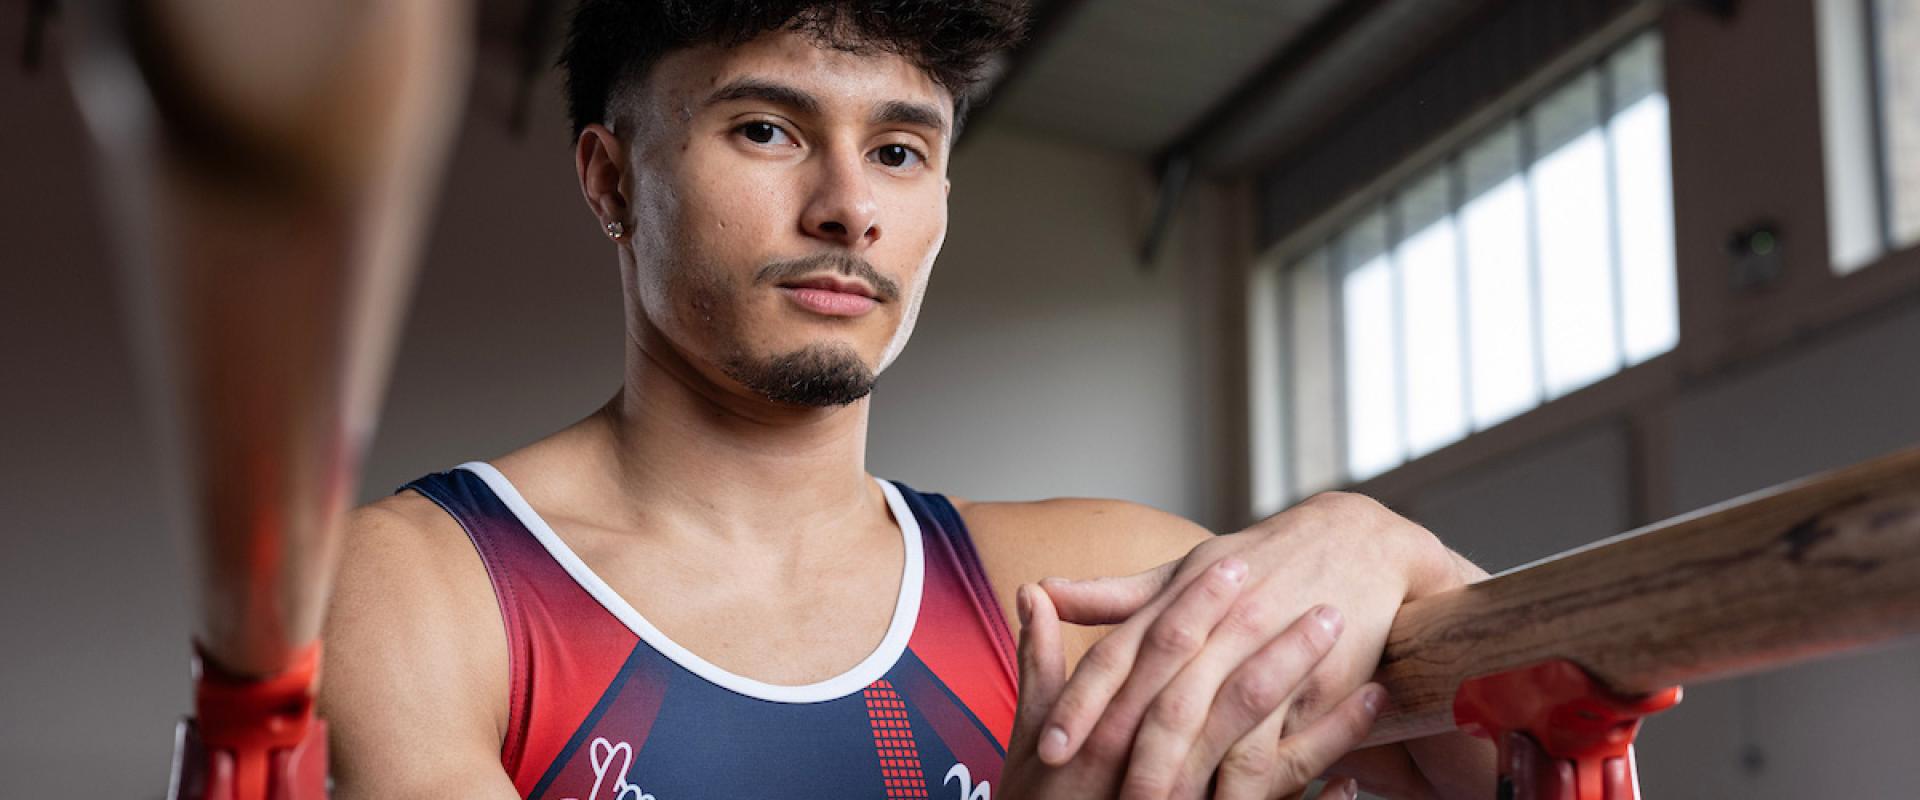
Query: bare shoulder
(1075, 537)
(1022, 543)
(415, 677)
(403, 555)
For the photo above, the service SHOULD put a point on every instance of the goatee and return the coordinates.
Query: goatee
(815, 377)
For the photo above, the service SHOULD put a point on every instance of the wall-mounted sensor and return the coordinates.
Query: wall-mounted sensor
(1755, 257)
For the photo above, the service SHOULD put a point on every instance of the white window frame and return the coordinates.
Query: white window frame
(1275, 421)
(1857, 156)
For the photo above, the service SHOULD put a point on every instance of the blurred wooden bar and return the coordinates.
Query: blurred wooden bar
(274, 165)
(1823, 566)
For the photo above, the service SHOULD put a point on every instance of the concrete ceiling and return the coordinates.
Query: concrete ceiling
(1132, 75)
(1232, 83)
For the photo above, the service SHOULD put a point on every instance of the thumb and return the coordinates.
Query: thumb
(1043, 665)
(1107, 601)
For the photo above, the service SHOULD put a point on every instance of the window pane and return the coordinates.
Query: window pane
(1430, 333)
(1533, 262)
(1848, 137)
(1644, 202)
(1500, 331)
(1371, 359)
(1897, 32)
(1309, 333)
(1572, 221)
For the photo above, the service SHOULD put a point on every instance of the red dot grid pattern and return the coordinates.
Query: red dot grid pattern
(893, 740)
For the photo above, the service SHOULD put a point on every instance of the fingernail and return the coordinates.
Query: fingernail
(1052, 582)
(1053, 745)
(1374, 699)
(1233, 569)
(1348, 790)
(1329, 620)
(1023, 600)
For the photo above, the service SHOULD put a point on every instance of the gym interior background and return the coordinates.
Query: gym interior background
(1532, 273)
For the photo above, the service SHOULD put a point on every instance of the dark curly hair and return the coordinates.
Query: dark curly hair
(611, 42)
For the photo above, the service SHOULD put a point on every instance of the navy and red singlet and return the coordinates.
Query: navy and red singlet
(604, 706)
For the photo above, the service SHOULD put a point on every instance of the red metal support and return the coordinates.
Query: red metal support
(1562, 735)
(252, 739)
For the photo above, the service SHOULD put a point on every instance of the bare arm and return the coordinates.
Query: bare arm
(1337, 551)
(1022, 543)
(414, 684)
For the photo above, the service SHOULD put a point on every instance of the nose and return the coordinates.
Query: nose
(842, 209)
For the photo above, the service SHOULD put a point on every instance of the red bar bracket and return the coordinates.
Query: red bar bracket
(252, 739)
(1562, 735)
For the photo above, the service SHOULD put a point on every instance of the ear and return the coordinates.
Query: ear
(600, 161)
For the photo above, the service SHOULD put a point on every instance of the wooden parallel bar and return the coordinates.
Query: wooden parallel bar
(1819, 567)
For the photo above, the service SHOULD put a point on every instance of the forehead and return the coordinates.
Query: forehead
(851, 81)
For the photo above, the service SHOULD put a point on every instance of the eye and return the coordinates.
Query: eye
(897, 156)
(760, 132)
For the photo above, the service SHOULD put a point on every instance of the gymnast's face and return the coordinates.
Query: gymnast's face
(785, 202)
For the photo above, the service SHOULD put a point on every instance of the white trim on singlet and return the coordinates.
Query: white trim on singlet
(906, 610)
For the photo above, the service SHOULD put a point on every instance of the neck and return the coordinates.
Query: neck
(694, 456)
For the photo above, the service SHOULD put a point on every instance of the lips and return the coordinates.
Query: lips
(829, 283)
(830, 296)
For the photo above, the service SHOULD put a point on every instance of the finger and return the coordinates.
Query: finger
(1108, 601)
(1309, 753)
(1042, 665)
(1340, 789)
(1391, 771)
(1267, 764)
(1172, 638)
(1124, 671)
(1240, 693)
(1246, 772)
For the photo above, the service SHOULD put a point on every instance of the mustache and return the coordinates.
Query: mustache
(846, 264)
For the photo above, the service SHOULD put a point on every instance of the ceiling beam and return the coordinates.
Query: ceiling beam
(1281, 68)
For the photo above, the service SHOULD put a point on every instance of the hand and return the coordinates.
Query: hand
(1251, 695)
(1335, 550)
(1042, 672)
(1342, 789)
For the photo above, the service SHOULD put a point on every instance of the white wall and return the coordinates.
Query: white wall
(93, 665)
(1551, 498)
(1046, 363)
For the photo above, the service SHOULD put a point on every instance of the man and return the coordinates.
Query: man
(704, 593)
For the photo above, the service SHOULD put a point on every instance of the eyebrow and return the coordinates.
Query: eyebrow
(754, 89)
(900, 112)
(892, 112)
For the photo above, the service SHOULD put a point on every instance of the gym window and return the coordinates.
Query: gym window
(1870, 125)
(1532, 261)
